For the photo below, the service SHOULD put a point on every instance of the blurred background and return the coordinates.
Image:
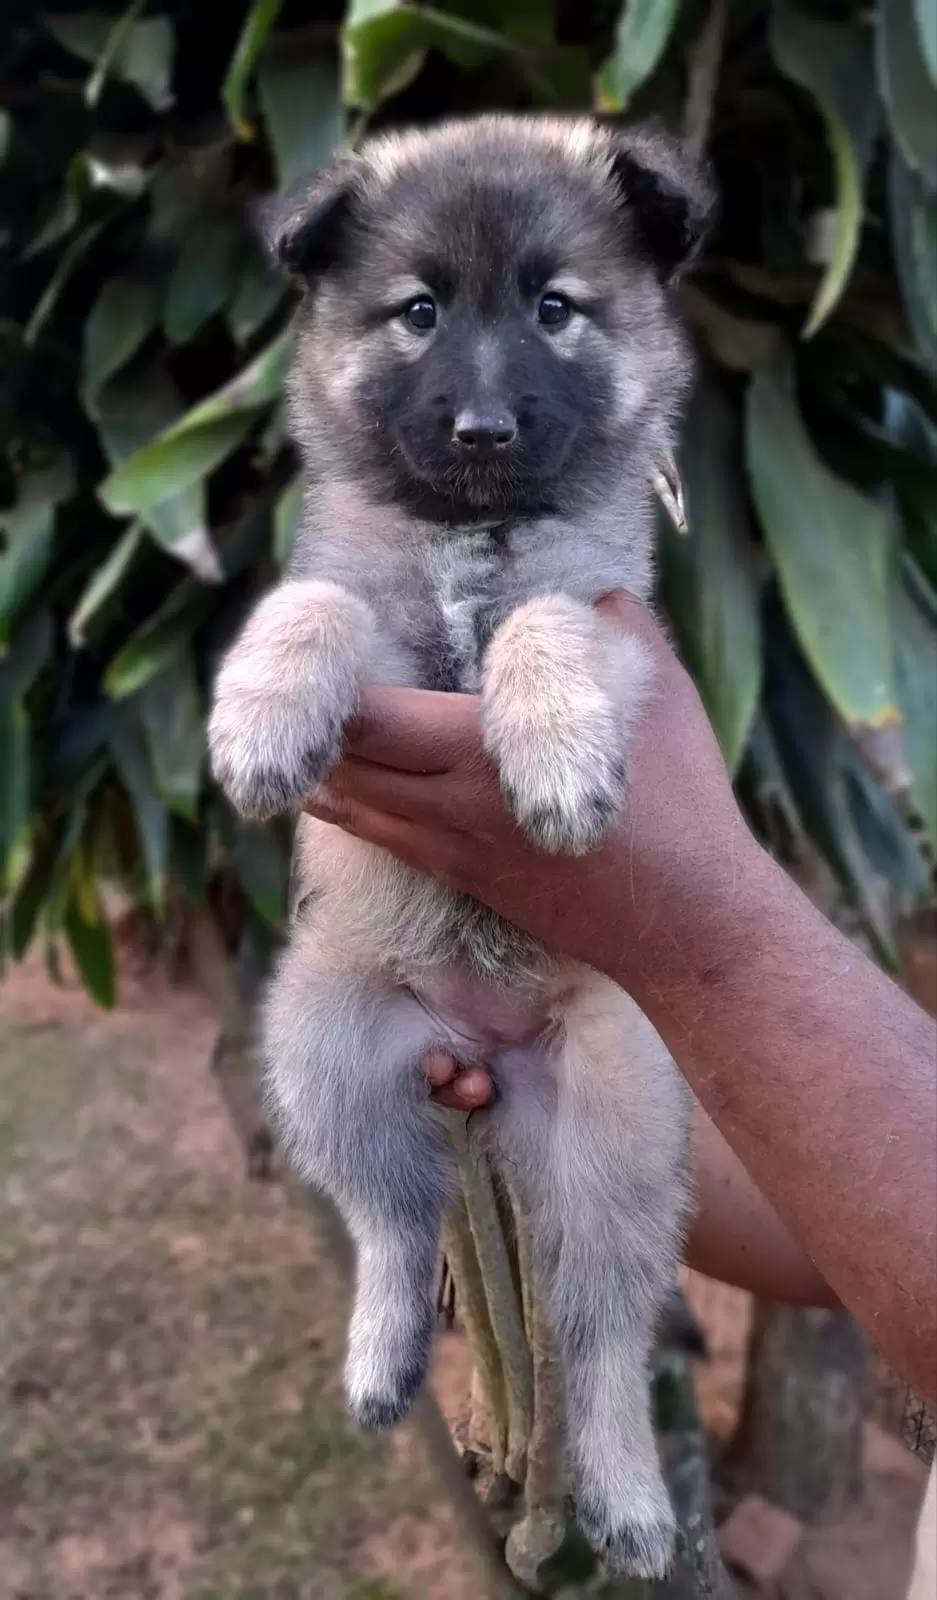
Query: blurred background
(171, 1315)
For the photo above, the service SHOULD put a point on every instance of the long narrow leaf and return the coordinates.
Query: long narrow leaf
(90, 944)
(834, 63)
(916, 671)
(173, 722)
(128, 748)
(925, 16)
(104, 585)
(302, 109)
(641, 37)
(257, 24)
(205, 436)
(121, 318)
(907, 88)
(708, 576)
(832, 550)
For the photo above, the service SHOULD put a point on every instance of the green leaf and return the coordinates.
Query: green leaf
(709, 584)
(128, 417)
(178, 526)
(31, 892)
(173, 721)
(28, 528)
(52, 292)
(123, 315)
(185, 186)
(916, 671)
(644, 27)
(384, 45)
(103, 585)
(302, 110)
(883, 833)
(913, 475)
(203, 278)
(194, 446)
(831, 548)
(286, 520)
(926, 17)
(68, 208)
(815, 754)
(152, 649)
(143, 56)
(56, 890)
(914, 243)
(907, 88)
(90, 944)
(257, 24)
(834, 63)
(128, 748)
(113, 53)
(259, 292)
(15, 788)
(188, 858)
(259, 863)
(173, 463)
(27, 654)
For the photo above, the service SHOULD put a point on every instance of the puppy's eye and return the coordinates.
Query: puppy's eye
(420, 314)
(554, 310)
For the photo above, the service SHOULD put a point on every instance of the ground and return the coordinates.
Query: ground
(171, 1425)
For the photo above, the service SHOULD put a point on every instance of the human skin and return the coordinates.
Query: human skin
(812, 1070)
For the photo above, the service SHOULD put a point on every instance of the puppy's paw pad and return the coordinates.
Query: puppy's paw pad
(636, 1548)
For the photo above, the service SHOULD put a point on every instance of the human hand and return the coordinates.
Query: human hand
(416, 781)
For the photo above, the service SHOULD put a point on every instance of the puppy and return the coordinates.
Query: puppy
(488, 371)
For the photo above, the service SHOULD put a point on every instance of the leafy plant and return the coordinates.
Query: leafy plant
(148, 491)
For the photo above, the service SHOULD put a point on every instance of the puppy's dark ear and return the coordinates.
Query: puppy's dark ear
(303, 228)
(669, 197)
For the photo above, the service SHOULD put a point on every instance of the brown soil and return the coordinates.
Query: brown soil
(171, 1425)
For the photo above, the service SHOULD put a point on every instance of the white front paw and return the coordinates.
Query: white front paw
(559, 693)
(270, 749)
(286, 693)
(564, 789)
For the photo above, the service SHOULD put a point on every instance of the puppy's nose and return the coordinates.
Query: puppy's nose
(483, 432)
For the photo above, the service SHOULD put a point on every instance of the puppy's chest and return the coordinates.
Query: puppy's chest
(466, 580)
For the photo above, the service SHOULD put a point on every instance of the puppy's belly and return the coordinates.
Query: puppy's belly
(483, 1021)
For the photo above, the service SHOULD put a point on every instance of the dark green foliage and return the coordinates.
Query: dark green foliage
(147, 493)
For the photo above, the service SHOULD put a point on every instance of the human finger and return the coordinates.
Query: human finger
(469, 1091)
(413, 730)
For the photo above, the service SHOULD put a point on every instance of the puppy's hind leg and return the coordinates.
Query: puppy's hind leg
(607, 1190)
(344, 1052)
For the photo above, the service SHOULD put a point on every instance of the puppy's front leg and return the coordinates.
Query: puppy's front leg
(560, 693)
(286, 691)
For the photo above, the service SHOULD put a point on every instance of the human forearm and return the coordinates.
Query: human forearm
(736, 1236)
(785, 1032)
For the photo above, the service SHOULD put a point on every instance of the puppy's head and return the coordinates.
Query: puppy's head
(487, 323)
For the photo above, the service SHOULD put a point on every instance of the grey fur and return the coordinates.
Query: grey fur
(417, 565)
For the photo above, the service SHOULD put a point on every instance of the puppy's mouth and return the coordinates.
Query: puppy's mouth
(495, 482)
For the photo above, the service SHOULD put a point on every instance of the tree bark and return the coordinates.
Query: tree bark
(799, 1438)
